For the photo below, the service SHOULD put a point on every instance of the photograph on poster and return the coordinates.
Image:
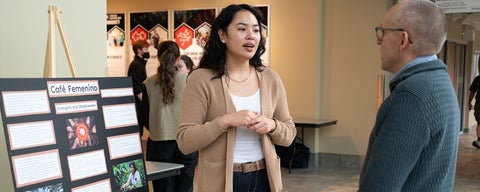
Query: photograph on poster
(22, 103)
(116, 44)
(153, 28)
(82, 132)
(121, 115)
(124, 145)
(130, 175)
(87, 164)
(192, 30)
(26, 168)
(31, 134)
(103, 185)
(51, 188)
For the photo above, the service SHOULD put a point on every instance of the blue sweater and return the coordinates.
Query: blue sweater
(413, 145)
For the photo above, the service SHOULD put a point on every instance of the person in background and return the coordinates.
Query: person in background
(414, 142)
(163, 96)
(234, 109)
(474, 89)
(137, 71)
(184, 64)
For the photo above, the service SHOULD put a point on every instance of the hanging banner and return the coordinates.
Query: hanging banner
(459, 6)
(152, 27)
(192, 30)
(65, 134)
(116, 45)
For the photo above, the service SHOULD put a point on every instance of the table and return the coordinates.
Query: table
(159, 170)
(308, 123)
(312, 123)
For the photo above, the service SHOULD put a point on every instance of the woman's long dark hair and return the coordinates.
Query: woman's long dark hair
(214, 57)
(167, 54)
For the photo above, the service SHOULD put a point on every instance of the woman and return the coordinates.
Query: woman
(234, 109)
(134, 180)
(164, 91)
(184, 64)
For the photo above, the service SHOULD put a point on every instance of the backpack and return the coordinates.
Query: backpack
(300, 159)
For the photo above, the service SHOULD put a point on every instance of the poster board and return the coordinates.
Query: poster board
(81, 134)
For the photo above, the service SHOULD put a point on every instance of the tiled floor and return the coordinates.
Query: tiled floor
(322, 179)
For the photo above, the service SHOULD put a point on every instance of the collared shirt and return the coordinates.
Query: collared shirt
(416, 61)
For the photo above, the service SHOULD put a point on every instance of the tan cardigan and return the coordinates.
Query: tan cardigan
(204, 101)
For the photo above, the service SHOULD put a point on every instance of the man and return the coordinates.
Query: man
(414, 142)
(474, 89)
(137, 71)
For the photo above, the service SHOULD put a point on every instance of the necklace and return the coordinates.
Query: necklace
(240, 81)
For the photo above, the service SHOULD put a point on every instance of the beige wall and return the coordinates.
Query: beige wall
(476, 43)
(351, 68)
(454, 31)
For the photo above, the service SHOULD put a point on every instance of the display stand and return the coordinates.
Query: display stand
(49, 69)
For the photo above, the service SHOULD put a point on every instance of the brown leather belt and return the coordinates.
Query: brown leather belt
(249, 167)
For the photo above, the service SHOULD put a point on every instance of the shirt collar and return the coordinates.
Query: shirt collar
(416, 61)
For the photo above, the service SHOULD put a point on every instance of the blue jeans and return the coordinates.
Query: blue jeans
(251, 182)
(167, 151)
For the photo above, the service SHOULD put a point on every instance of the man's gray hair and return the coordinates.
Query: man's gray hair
(425, 23)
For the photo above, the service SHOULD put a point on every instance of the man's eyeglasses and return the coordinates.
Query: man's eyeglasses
(380, 30)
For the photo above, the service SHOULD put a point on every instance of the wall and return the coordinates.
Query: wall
(23, 36)
(476, 43)
(351, 68)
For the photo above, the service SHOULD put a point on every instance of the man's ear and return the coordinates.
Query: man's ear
(405, 41)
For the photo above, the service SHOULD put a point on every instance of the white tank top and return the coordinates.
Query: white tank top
(247, 143)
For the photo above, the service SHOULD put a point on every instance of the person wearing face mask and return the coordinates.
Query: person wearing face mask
(137, 71)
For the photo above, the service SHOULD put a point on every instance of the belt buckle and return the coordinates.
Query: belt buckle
(249, 167)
